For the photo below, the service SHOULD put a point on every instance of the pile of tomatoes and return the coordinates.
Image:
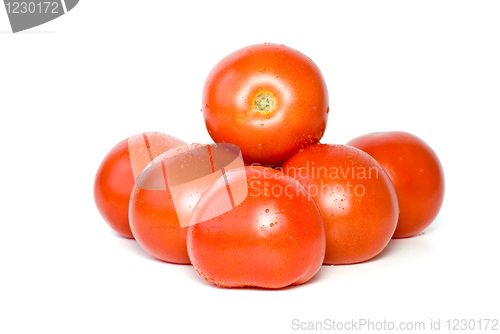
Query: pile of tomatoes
(306, 203)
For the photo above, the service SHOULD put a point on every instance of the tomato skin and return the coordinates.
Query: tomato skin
(360, 217)
(112, 187)
(267, 241)
(156, 227)
(415, 171)
(301, 110)
(114, 181)
(153, 216)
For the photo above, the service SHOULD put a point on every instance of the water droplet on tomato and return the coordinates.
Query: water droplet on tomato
(349, 155)
(267, 210)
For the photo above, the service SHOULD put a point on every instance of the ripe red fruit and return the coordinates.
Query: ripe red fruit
(415, 171)
(273, 239)
(355, 196)
(268, 99)
(114, 179)
(153, 217)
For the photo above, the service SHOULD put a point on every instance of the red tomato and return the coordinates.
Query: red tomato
(152, 213)
(268, 99)
(355, 196)
(416, 173)
(114, 180)
(274, 238)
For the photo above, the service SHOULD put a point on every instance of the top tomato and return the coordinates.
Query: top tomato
(268, 99)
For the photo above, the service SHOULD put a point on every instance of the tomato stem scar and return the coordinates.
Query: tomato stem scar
(264, 102)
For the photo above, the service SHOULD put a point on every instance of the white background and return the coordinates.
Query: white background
(74, 87)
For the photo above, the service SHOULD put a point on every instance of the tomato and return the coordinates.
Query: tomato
(268, 99)
(273, 239)
(153, 217)
(355, 196)
(416, 173)
(166, 193)
(114, 179)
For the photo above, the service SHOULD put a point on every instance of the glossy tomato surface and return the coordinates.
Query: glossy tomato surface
(273, 239)
(114, 180)
(415, 171)
(268, 99)
(355, 196)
